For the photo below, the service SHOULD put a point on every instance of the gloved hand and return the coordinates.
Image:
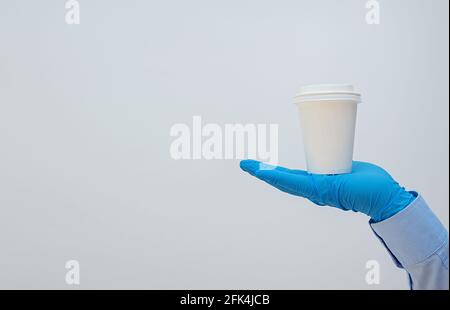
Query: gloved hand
(368, 189)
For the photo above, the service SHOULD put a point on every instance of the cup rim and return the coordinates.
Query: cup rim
(322, 92)
(328, 96)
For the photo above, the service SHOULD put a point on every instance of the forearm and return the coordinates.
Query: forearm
(418, 243)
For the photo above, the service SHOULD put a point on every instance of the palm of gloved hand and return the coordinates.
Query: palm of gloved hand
(368, 189)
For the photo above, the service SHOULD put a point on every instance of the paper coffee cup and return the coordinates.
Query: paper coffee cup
(327, 119)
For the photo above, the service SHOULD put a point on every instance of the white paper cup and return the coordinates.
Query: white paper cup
(328, 118)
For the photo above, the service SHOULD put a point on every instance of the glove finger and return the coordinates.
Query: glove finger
(296, 184)
(250, 166)
(291, 171)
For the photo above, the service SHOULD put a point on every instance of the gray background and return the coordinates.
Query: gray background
(85, 113)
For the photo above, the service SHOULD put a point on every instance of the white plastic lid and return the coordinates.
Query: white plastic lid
(322, 92)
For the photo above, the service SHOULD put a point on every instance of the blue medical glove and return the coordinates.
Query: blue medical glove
(368, 189)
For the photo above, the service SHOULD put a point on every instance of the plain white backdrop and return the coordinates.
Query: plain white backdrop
(85, 114)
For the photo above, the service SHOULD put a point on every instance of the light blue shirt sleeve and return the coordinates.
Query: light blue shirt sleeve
(418, 242)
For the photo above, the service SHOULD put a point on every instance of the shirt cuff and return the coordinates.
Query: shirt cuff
(412, 235)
